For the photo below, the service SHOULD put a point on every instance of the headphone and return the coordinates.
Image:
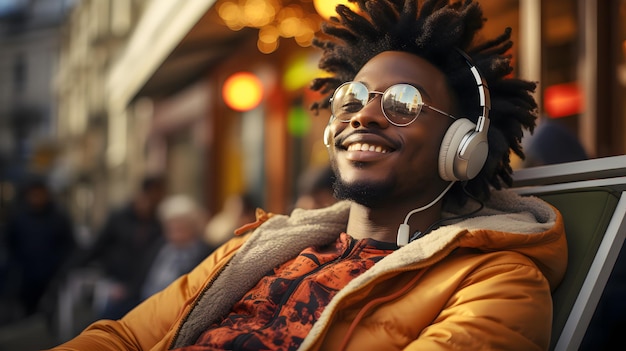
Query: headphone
(327, 132)
(464, 147)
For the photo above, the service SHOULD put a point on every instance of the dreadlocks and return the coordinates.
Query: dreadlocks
(434, 31)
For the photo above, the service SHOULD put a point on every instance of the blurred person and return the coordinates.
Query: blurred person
(315, 188)
(552, 143)
(182, 247)
(122, 243)
(40, 239)
(426, 250)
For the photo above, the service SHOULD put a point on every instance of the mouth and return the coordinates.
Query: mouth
(366, 146)
(367, 142)
(357, 146)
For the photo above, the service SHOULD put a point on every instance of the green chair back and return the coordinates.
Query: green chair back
(586, 214)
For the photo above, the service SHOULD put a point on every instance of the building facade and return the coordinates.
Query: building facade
(29, 54)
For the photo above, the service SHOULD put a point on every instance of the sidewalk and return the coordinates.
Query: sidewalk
(28, 334)
(34, 334)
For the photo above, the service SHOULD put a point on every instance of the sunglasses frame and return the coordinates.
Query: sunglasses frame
(421, 104)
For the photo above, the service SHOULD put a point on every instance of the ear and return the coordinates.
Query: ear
(452, 166)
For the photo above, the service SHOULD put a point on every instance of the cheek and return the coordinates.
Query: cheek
(342, 168)
(424, 153)
(426, 141)
(334, 128)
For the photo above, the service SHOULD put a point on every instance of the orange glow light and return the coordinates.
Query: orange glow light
(242, 91)
(326, 8)
(562, 100)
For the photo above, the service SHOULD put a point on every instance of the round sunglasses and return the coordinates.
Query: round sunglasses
(400, 103)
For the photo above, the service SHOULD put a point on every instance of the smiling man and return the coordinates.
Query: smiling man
(426, 251)
(385, 168)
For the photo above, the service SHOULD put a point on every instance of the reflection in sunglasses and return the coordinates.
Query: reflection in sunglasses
(400, 103)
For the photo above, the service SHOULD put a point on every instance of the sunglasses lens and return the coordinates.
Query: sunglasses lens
(349, 99)
(402, 104)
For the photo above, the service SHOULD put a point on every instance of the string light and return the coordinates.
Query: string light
(273, 20)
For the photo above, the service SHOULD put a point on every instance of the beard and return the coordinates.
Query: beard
(367, 193)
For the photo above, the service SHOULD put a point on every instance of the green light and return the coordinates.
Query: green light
(298, 121)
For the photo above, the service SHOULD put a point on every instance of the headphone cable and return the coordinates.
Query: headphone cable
(437, 223)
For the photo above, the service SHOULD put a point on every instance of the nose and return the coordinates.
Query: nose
(371, 115)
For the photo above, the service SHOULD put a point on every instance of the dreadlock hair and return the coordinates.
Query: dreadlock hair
(434, 31)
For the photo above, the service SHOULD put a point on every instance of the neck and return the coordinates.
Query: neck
(382, 224)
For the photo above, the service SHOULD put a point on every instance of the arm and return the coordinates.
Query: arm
(501, 306)
(156, 320)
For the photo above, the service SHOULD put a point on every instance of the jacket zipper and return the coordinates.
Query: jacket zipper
(196, 301)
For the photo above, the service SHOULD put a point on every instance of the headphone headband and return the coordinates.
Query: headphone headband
(484, 98)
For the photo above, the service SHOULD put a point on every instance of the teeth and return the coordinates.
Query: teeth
(367, 147)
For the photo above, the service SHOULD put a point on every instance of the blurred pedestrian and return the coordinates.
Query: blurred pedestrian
(181, 248)
(40, 239)
(552, 143)
(123, 242)
(315, 188)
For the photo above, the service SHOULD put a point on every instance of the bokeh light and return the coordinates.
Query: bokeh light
(326, 8)
(298, 121)
(242, 91)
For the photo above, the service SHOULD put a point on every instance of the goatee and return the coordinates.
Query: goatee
(368, 194)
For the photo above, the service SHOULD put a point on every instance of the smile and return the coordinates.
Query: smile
(368, 147)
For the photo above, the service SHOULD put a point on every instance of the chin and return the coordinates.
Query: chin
(366, 192)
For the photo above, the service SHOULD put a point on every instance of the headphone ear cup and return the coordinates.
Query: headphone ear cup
(327, 136)
(449, 150)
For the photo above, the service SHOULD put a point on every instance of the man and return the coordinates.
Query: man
(123, 242)
(40, 237)
(394, 267)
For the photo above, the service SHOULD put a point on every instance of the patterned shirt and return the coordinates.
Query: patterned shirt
(280, 310)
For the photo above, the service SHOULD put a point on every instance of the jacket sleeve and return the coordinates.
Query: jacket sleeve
(155, 321)
(504, 306)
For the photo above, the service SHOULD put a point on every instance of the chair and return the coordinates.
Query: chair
(591, 197)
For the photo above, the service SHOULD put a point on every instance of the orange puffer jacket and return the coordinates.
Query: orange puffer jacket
(483, 283)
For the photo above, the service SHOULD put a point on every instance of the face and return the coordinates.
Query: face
(401, 162)
(180, 230)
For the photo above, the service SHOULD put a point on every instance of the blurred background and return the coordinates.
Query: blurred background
(212, 95)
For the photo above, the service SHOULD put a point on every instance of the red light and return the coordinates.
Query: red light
(562, 100)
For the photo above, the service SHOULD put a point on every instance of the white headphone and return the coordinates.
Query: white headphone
(327, 132)
(464, 147)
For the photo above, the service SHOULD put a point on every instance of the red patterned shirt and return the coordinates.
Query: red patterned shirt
(280, 310)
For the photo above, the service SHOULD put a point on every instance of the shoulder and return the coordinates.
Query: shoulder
(475, 260)
(498, 298)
